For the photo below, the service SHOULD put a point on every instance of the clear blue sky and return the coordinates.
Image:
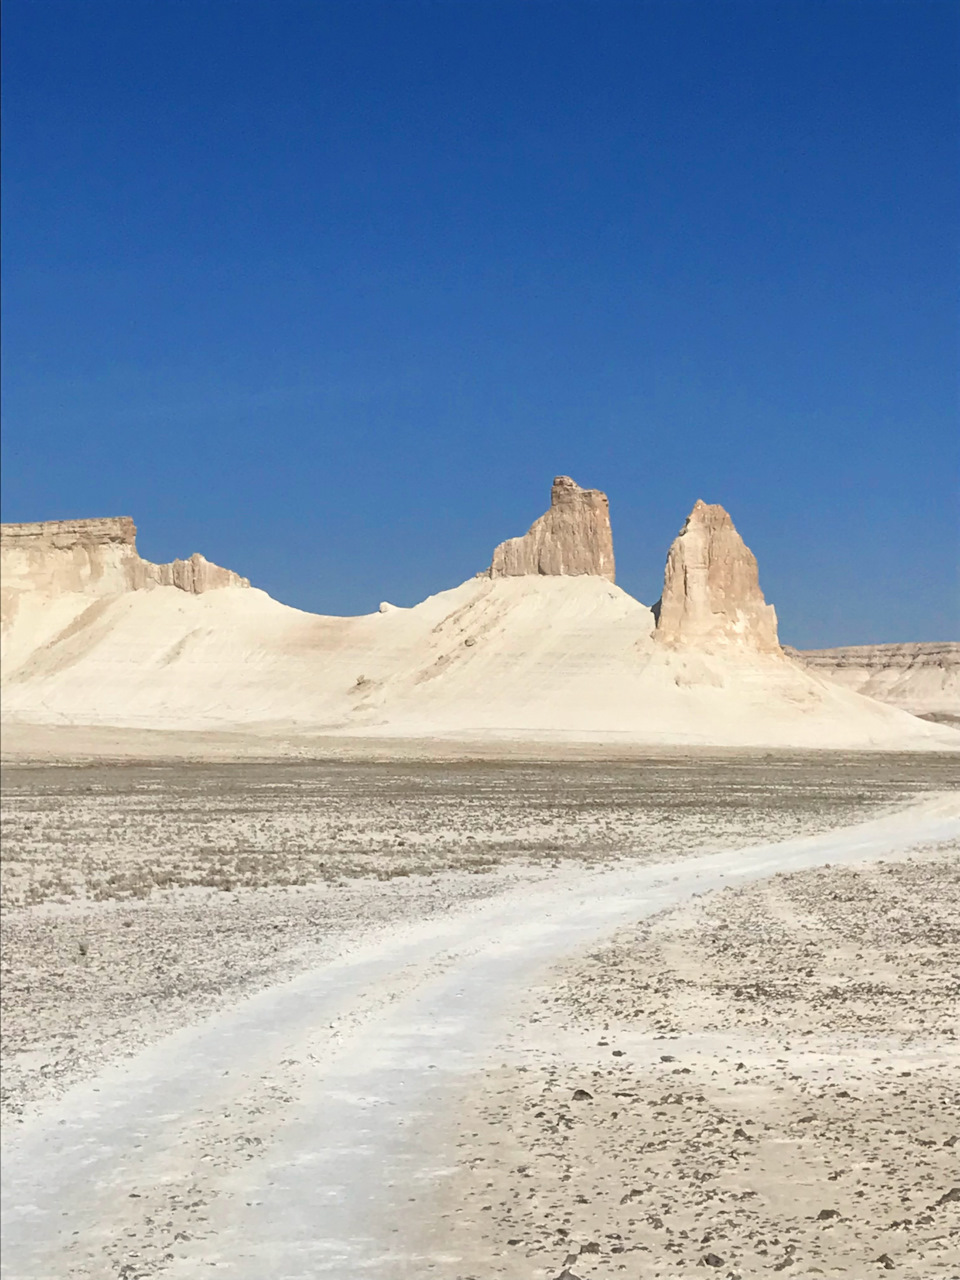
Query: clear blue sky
(330, 291)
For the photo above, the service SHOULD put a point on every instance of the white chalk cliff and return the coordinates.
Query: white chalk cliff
(571, 539)
(98, 557)
(54, 570)
(711, 589)
(923, 678)
(542, 647)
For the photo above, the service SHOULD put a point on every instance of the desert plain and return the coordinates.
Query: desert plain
(526, 932)
(734, 1077)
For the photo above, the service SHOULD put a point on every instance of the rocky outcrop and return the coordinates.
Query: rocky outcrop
(97, 557)
(195, 575)
(923, 678)
(65, 535)
(711, 590)
(571, 539)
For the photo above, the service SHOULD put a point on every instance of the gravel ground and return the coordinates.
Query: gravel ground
(765, 1081)
(119, 832)
(139, 897)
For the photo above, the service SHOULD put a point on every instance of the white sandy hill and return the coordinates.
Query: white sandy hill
(100, 637)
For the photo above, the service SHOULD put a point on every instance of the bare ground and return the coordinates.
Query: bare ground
(355, 1120)
(141, 896)
(138, 897)
(765, 1081)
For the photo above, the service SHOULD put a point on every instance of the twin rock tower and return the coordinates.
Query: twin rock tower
(711, 588)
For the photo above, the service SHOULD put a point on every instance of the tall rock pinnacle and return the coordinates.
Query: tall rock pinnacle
(711, 590)
(572, 538)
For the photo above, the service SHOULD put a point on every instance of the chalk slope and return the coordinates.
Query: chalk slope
(526, 656)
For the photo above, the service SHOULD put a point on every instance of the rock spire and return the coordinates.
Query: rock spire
(711, 589)
(570, 539)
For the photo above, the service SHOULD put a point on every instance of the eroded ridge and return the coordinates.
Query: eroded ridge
(97, 557)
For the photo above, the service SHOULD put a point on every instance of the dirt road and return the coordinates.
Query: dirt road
(294, 1135)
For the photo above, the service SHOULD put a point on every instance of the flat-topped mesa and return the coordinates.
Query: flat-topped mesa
(64, 535)
(97, 557)
(571, 539)
(711, 589)
(881, 657)
(922, 677)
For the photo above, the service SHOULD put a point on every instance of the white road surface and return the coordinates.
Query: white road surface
(283, 1137)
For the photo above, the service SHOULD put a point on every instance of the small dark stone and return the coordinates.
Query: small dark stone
(949, 1196)
(824, 1214)
(712, 1260)
(886, 1262)
(581, 1095)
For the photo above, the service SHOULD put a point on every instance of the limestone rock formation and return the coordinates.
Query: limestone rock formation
(923, 678)
(195, 575)
(573, 538)
(96, 557)
(64, 535)
(711, 590)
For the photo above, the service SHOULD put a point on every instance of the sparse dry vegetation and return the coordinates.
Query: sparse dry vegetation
(119, 832)
(137, 897)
